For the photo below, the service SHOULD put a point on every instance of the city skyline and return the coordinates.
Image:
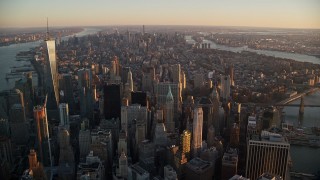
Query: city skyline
(262, 13)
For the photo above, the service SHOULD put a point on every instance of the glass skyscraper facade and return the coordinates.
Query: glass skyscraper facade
(52, 83)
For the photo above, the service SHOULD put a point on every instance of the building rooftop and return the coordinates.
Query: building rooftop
(238, 177)
(268, 176)
(199, 165)
(138, 169)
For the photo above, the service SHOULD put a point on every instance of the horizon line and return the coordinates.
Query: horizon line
(190, 25)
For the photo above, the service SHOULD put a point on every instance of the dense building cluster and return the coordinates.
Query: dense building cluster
(141, 105)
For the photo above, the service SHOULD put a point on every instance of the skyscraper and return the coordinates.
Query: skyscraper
(40, 116)
(148, 77)
(161, 92)
(112, 101)
(133, 112)
(123, 165)
(197, 131)
(269, 153)
(229, 164)
(139, 98)
(67, 88)
(130, 81)
(64, 115)
(234, 135)
(185, 143)
(225, 87)
(176, 73)
(86, 93)
(52, 76)
(170, 124)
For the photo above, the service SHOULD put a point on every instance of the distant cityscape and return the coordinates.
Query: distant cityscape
(160, 102)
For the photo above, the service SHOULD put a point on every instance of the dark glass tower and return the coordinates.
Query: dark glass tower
(112, 101)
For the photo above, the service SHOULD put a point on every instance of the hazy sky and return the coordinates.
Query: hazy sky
(258, 13)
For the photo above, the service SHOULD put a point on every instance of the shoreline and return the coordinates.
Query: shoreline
(304, 93)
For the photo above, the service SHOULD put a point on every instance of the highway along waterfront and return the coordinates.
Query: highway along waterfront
(8, 57)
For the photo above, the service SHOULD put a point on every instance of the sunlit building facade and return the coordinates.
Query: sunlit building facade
(52, 76)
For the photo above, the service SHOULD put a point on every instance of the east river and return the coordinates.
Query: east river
(305, 159)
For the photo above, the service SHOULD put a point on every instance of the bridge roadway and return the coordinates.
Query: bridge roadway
(293, 105)
(297, 105)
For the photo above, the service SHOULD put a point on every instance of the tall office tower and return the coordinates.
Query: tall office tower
(124, 74)
(225, 87)
(229, 164)
(170, 173)
(26, 87)
(6, 151)
(35, 170)
(116, 66)
(128, 87)
(148, 77)
(146, 153)
(33, 161)
(161, 92)
(84, 141)
(86, 93)
(130, 80)
(199, 169)
(185, 143)
(66, 152)
(133, 112)
(210, 136)
(208, 113)
(198, 80)
(99, 143)
(230, 71)
(40, 116)
(269, 153)
(234, 136)
(18, 125)
(141, 131)
(139, 98)
(52, 76)
(183, 80)
(67, 88)
(112, 101)
(123, 165)
(170, 124)
(215, 101)
(122, 143)
(160, 135)
(176, 73)
(64, 115)
(197, 131)
(14, 96)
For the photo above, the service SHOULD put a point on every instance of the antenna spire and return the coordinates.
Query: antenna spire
(47, 30)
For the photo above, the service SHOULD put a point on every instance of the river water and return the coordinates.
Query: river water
(305, 159)
(286, 55)
(8, 57)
